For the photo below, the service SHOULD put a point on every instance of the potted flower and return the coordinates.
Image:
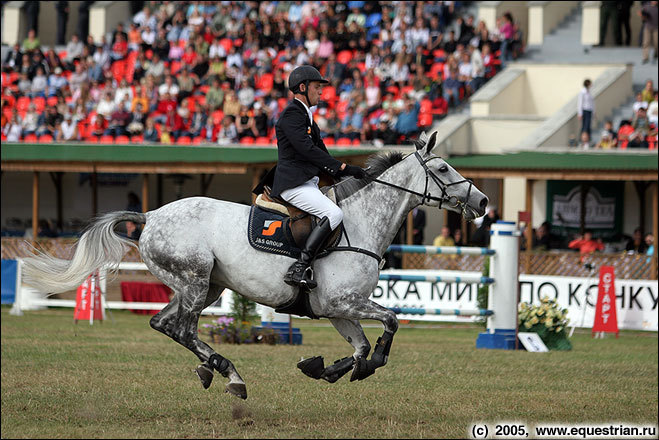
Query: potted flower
(548, 321)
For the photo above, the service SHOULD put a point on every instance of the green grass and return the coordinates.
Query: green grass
(123, 380)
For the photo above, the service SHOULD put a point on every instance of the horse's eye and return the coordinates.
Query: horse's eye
(443, 169)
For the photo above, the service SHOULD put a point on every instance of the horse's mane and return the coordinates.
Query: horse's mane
(377, 164)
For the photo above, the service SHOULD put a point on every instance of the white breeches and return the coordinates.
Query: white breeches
(308, 198)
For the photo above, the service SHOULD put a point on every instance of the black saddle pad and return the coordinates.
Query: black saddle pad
(269, 231)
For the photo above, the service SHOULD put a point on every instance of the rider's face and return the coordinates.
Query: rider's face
(315, 90)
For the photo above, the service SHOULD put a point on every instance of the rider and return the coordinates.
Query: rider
(302, 156)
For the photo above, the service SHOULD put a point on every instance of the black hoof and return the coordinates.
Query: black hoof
(237, 389)
(205, 374)
(312, 367)
(362, 370)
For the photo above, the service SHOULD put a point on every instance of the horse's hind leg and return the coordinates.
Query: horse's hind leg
(352, 331)
(179, 320)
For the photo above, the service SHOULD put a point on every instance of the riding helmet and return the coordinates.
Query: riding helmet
(304, 74)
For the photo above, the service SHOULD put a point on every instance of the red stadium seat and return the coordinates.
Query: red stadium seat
(198, 140)
(217, 115)
(262, 140)
(30, 138)
(426, 106)
(356, 142)
(175, 67)
(137, 139)
(343, 141)
(265, 82)
(329, 94)
(226, 43)
(106, 139)
(184, 140)
(39, 104)
(92, 139)
(3, 137)
(22, 104)
(52, 101)
(122, 140)
(329, 141)
(45, 138)
(344, 56)
(283, 102)
(247, 140)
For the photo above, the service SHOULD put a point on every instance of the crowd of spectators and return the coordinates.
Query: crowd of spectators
(215, 72)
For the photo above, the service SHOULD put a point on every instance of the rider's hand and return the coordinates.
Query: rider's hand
(355, 171)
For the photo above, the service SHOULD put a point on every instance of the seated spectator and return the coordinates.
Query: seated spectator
(169, 87)
(101, 59)
(148, 37)
(605, 142)
(384, 135)
(39, 84)
(542, 238)
(150, 131)
(245, 123)
(457, 237)
(119, 120)
(78, 78)
(246, 93)
(214, 96)
(352, 124)
(608, 127)
(653, 111)
(260, 120)
(648, 92)
(68, 129)
(586, 244)
(13, 128)
(140, 97)
(174, 125)
(138, 120)
(187, 82)
(119, 48)
(641, 127)
(24, 84)
(30, 122)
(451, 88)
(198, 120)
(73, 50)
(624, 132)
(50, 119)
(123, 91)
(45, 230)
(636, 244)
(444, 239)
(56, 82)
(99, 125)
(157, 67)
(407, 122)
(165, 105)
(106, 105)
(585, 143)
(231, 104)
(639, 103)
(227, 134)
(649, 242)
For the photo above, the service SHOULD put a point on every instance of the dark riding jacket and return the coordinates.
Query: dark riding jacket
(302, 153)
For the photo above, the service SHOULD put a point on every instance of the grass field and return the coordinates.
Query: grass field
(123, 379)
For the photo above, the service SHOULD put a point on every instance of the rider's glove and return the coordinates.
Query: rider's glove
(352, 170)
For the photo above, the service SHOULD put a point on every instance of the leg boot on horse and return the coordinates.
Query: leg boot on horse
(300, 272)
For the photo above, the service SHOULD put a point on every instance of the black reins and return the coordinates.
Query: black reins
(426, 196)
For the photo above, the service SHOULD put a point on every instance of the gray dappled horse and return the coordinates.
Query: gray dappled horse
(198, 246)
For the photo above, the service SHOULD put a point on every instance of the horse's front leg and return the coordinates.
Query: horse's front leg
(353, 333)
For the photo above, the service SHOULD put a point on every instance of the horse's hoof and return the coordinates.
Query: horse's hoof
(237, 389)
(312, 367)
(205, 374)
(362, 370)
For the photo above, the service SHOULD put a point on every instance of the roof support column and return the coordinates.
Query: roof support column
(35, 204)
(145, 192)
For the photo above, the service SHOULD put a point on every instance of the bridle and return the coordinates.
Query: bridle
(426, 197)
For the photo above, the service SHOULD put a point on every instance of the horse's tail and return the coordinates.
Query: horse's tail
(98, 246)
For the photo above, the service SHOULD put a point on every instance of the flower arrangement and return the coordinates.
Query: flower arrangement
(228, 330)
(548, 321)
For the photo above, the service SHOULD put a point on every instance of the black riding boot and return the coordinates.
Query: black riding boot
(300, 273)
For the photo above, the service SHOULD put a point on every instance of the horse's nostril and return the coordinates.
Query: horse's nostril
(483, 202)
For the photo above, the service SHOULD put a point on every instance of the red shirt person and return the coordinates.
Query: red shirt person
(586, 244)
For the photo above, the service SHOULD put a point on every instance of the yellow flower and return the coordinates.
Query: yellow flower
(541, 312)
(558, 329)
(549, 322)
(527, 324)
(534, 321)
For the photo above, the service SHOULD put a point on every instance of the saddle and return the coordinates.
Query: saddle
(298, 222)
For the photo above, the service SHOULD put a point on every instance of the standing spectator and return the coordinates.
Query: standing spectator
(585, 107)
(650, 17)
(609, 9)
(62, 9)
(418, 225)
(507, 31)
(31, 42)
(444, 239)
(648, 92)
(586, 245)
(649, 242)
(623, 21)
(83, 19)
(457, 237)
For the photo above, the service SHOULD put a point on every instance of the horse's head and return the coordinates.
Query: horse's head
(444, 186)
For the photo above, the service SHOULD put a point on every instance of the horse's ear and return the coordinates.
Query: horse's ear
(421, 141)
(431, 143)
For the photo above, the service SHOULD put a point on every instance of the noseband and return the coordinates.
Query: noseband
(427, 197)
